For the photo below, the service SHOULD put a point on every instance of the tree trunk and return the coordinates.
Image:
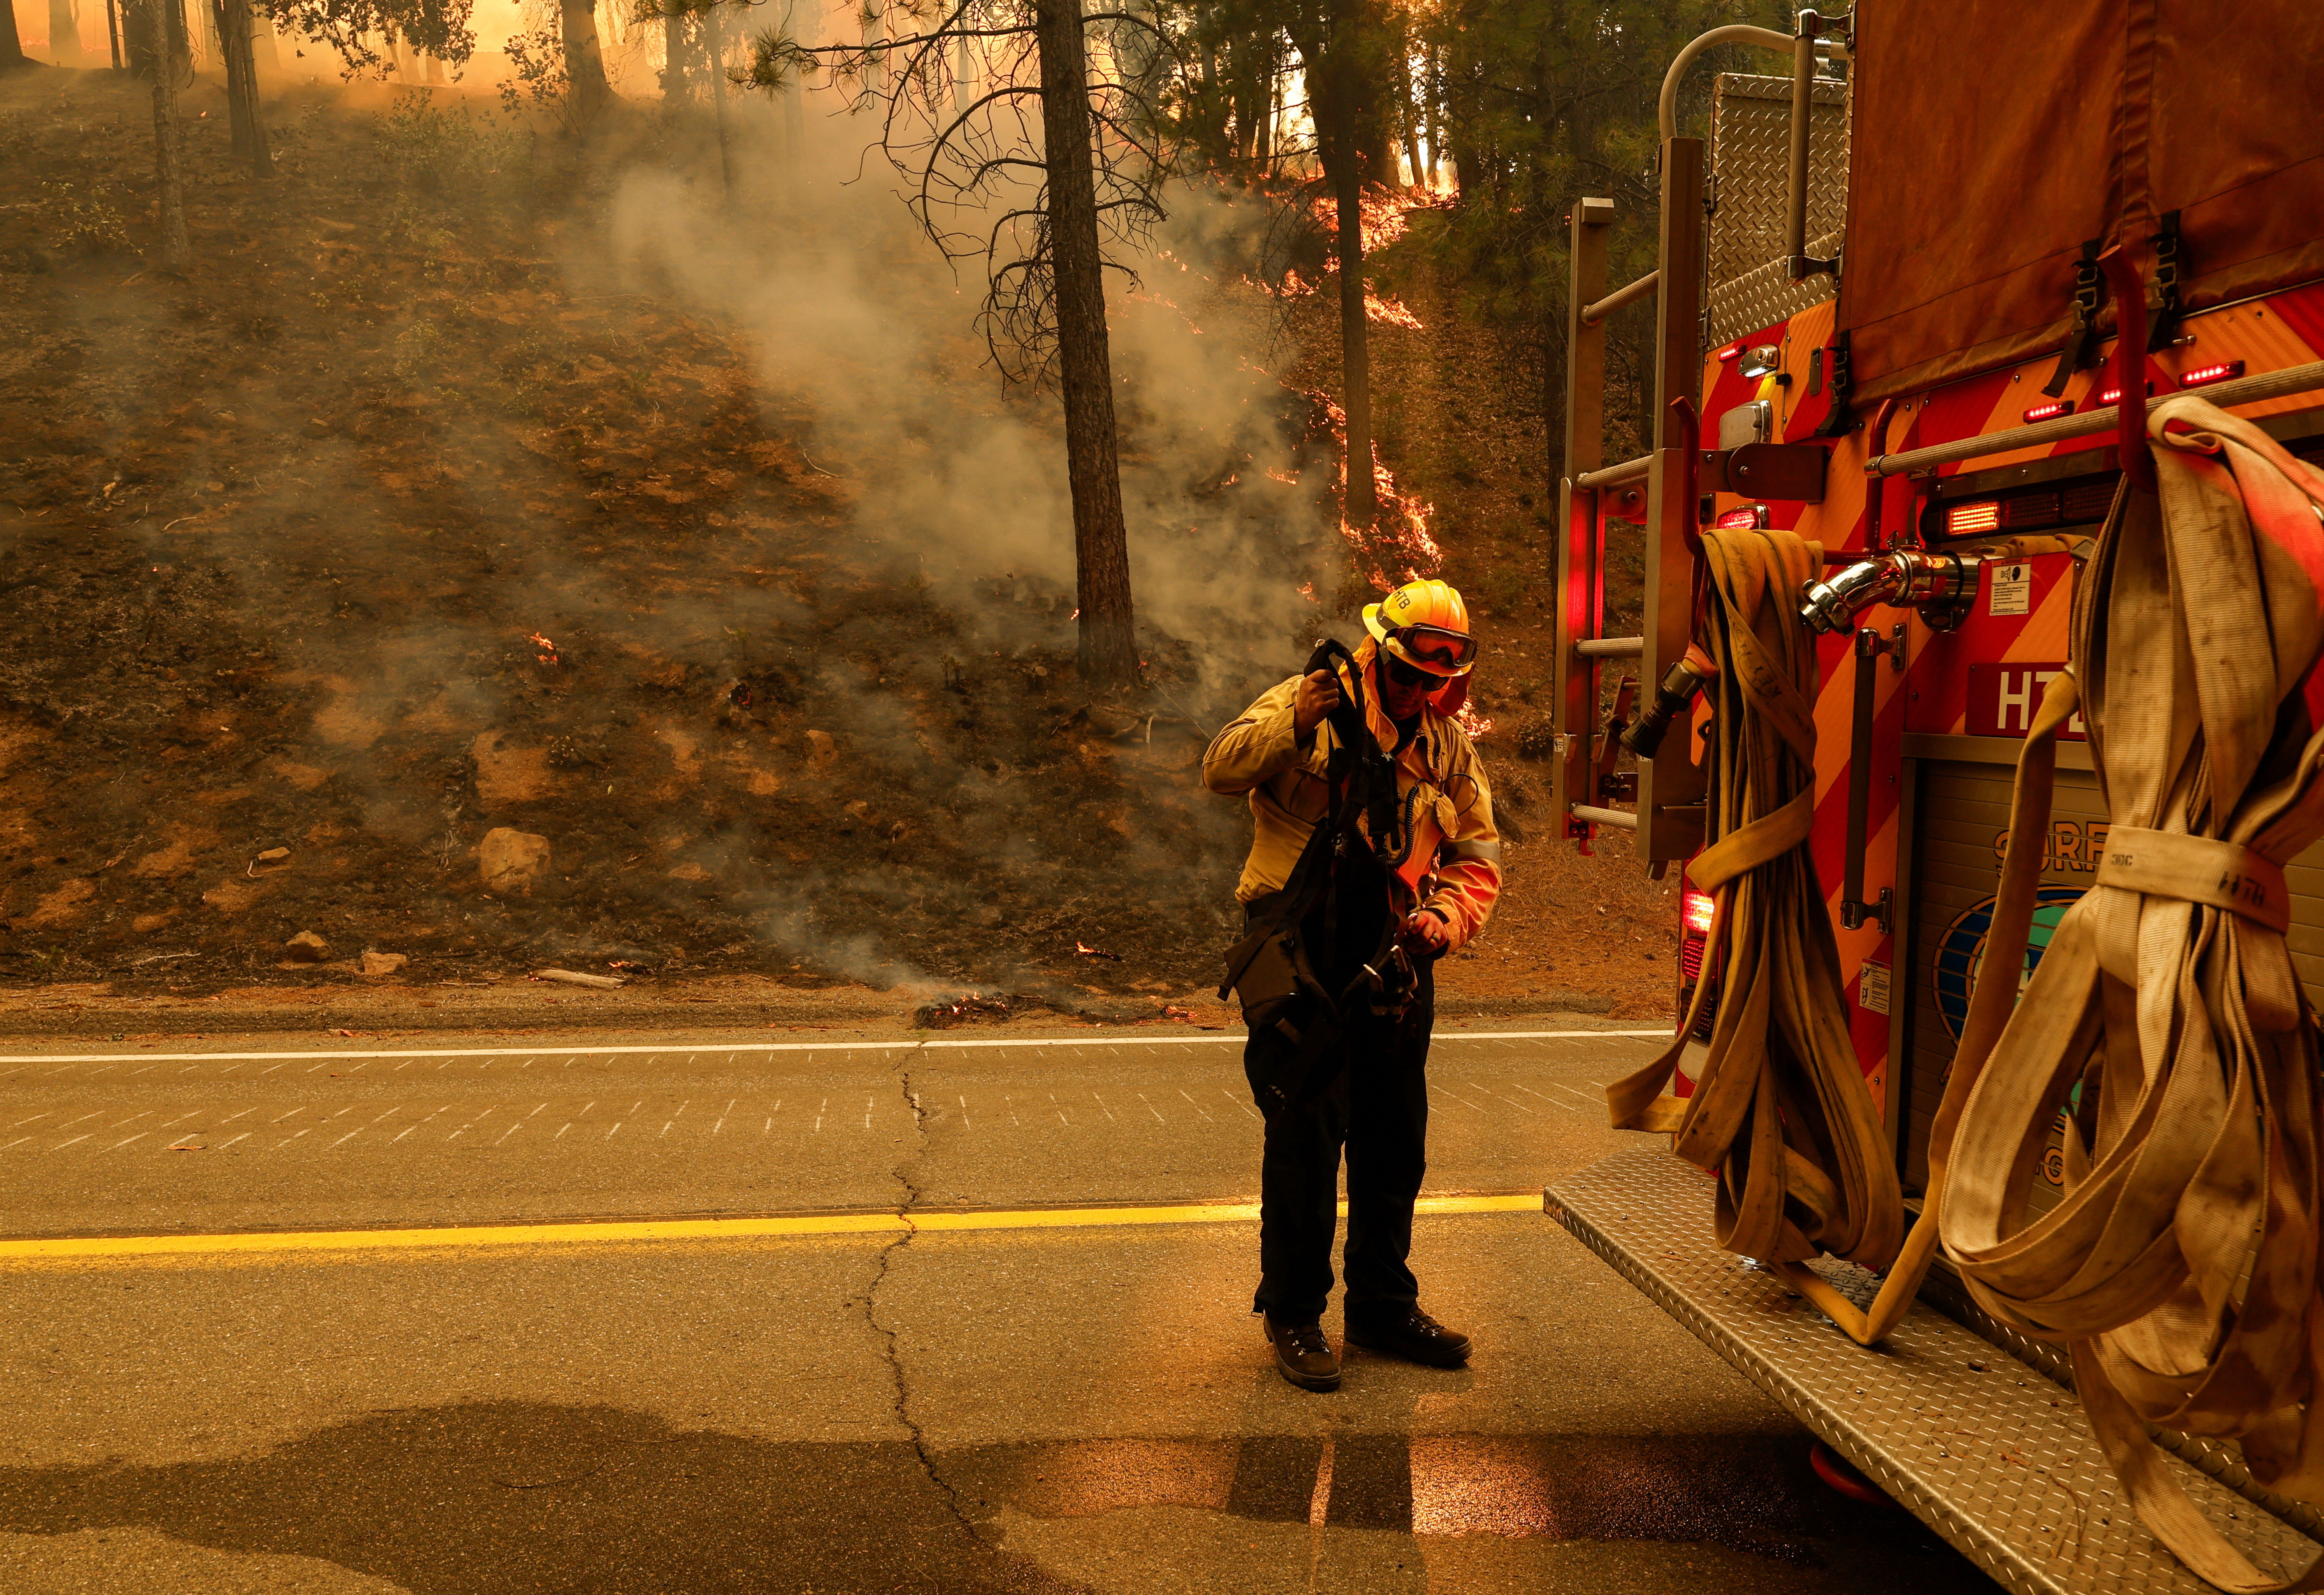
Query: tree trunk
(716, 40)
(168, 164)
(1333, 89)
(1108, 651)
(233, 26)
(12, 46)
(673, 50)
(113, 31)
(584, 60)
(64, 33)
(1402, 67)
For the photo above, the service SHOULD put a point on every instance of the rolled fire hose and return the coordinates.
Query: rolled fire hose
(1780, 1111)
(2180, 1265)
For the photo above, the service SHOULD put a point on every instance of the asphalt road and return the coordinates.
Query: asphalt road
(1065, 1392)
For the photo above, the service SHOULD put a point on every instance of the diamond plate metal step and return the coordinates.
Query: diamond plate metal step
(1985, 1450)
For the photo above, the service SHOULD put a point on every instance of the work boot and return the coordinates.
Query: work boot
(1409, 1334)
(1303, 1354)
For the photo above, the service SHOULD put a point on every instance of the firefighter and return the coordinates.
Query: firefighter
(1379, 909)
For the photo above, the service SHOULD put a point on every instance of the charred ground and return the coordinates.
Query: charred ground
(405, 518)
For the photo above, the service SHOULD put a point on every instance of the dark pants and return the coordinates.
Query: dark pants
(1377, 1110)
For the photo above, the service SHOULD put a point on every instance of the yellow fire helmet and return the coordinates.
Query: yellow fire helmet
(1426, 625)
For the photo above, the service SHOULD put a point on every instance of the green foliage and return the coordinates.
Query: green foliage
(538, 85)
(82, 218)
(440, 150)
(353, 27)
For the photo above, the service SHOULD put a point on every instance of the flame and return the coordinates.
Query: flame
(1307, 591)
(1289, 479)
(1083, 950)
(548, 649)
(1376, 309)
(1384, 220)
(1470, 721)
(1400, 540)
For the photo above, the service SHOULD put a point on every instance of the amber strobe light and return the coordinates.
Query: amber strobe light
(1972, 520)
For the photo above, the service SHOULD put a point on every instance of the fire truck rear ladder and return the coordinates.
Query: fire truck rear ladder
(1668, 816)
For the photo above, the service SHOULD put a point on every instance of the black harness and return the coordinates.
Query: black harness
(1272, 968)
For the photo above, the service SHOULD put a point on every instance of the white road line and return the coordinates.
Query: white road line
(359, 1129)
(1061, 1112)
(1010, 1104)
(560, 1134)
(819, 1113)
(1192, 1103)
(93, 1073)
(69, 1123)
(1553, 1102)
(681, 1110)
(408, 1129)
(148, 1069)
(139, 1136)
(230, 1118)
(78, 1137)
(1152, 1109)
(293, 1113)
(1236, 1100)
(19, 1141)
(964, 1123)
(1222, 1038)
(22, 1122)
(270, 1069)
(1498, 1097)
(181, 1119)
(286, 1140)
(1447, 1091)
(1104, 1109)
(729, 1108)
(867, 1113)
(243, 1137)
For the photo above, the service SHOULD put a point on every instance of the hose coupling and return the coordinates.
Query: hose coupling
(1940, 586)
(1674, 699)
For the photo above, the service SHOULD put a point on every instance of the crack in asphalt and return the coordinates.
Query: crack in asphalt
(889, 1336)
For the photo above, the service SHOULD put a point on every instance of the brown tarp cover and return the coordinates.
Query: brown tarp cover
(1991, 140)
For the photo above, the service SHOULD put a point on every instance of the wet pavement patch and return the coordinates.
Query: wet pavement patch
(513, 1497)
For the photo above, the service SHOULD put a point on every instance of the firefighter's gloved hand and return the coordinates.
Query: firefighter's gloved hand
(1318, 695)
(1427, 927)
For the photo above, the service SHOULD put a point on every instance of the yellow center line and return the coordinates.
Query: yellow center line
(132, 1248)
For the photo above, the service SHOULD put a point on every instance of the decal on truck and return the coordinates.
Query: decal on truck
(1961, 949)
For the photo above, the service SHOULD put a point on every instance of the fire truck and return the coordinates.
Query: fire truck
(1914, 296)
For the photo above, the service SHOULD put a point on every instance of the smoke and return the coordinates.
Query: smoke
(853, 319)
(316, 546)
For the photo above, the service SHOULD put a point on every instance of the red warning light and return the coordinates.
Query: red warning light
(1739, 520)
(1730, 354)
(1697, 910)
(2050, 411)
(2203, 376)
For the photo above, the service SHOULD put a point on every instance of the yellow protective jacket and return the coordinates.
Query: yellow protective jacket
(1440, 785)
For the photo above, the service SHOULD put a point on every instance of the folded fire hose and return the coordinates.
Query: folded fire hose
(2179, 1266)
(1780, 1111)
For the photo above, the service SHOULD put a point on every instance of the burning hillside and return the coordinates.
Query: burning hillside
(638, 587)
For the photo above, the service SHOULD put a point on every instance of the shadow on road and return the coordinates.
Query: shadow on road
(506, 1496)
